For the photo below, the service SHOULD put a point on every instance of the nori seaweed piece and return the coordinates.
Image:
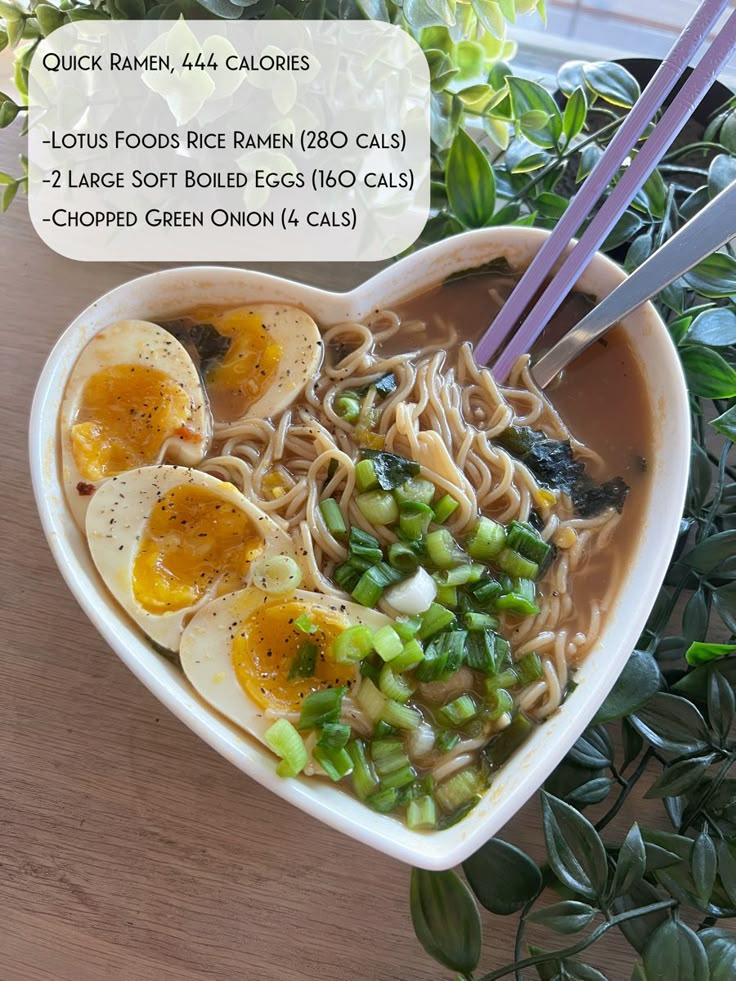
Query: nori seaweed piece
(202, 340)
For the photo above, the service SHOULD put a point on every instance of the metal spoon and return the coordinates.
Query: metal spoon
(708, 231)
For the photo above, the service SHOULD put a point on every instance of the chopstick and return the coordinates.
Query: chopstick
(582, 204)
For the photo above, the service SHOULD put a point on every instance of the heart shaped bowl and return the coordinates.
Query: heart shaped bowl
(165, 293)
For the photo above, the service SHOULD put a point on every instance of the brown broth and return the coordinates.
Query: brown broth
(601, 397)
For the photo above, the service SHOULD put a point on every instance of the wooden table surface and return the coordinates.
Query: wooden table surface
(129, 851)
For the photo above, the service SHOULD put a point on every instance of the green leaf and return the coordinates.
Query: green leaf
(222, 8)
(446, 919)
(573, 118)
(593, 749)
(636, 684)
(568, 916)
(712, 551)
(639, 251)
(721, 704)
(722, 170)
(632, 742)
(653, 195)
(630, 864)
(695, 683)
(695, 616)
(716, 327)
(8, 110)
(50, 18)
(591, 792)
(675, 953)
(471, 186)
(703, 864)
(623, 231)
(672, 723)
(6, 199)
(726, 423)
(503, 878)
(490, 15)
(575, 850)
(708, 374)
(588, 160)
(714, 277)
(639, 929)
(680, 777)
(728, 132)
(720, 949)
(528, 96)
(570, 77)
(612, 83)
(727, 870)
(724, 600)
(429, 13)
(523, 158)
(701, 653)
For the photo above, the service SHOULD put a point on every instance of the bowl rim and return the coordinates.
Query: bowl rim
(442, 849)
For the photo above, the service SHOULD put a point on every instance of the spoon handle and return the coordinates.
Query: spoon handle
(708, 231)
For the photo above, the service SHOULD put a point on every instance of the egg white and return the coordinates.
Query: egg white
(131, 342)
(301, 355)
(206, 648)
(116, 520)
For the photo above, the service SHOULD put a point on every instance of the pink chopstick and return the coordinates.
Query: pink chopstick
(619, 148)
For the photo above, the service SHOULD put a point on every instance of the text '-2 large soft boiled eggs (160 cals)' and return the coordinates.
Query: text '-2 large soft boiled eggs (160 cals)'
(166, 540)
(238, 652)
(133, 398)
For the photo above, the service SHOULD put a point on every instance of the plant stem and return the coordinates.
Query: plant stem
(582, 944)
(520, 935)
(627, 787)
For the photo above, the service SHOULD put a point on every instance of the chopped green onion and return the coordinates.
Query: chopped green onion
(393, 685)
(413, 595)
(378, 507)
(520, 600)
(320, 707)
(504, 679)
(444, 508)
(387, 643)
(414, 519)
(458, 712)
(364, 780)
(347, 406)
(479, 621)
(286, 742)
(391, 470)
(383, 729)
(406, 627)
(458, 789)
(442, 549)
(416, 489)
(522, 538)
(304, 662)
(443, 656)
(411, 654)
(371, 667)
(276, 574)
(447, 595)
(367, 592)
(529, 668)
(388, 755)
(421, 813)
(446, 741)
(370, 700)
(384, 800)
(516, 565)
(346, 576)
(436, 618)
(503, 703)
(337, 763)
(364, 547)
(480, 653)
(400, 716)
(460, 575)
(402, 557)
(365, 476)
(509, 739)
(485, 591)
(353, 644)
(400, 778)
(486, 540)
(334, 735)
(304, 623)
(334, 520)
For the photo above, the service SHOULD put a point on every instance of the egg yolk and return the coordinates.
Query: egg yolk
(236, 382)
(126, 414)
(194, 544)
(266, 645)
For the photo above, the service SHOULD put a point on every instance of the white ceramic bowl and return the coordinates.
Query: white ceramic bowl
(165, 293)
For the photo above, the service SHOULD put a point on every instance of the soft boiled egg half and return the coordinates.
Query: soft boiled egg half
(274, 351)
(166, 540)
(239, 652)
(134, 398)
